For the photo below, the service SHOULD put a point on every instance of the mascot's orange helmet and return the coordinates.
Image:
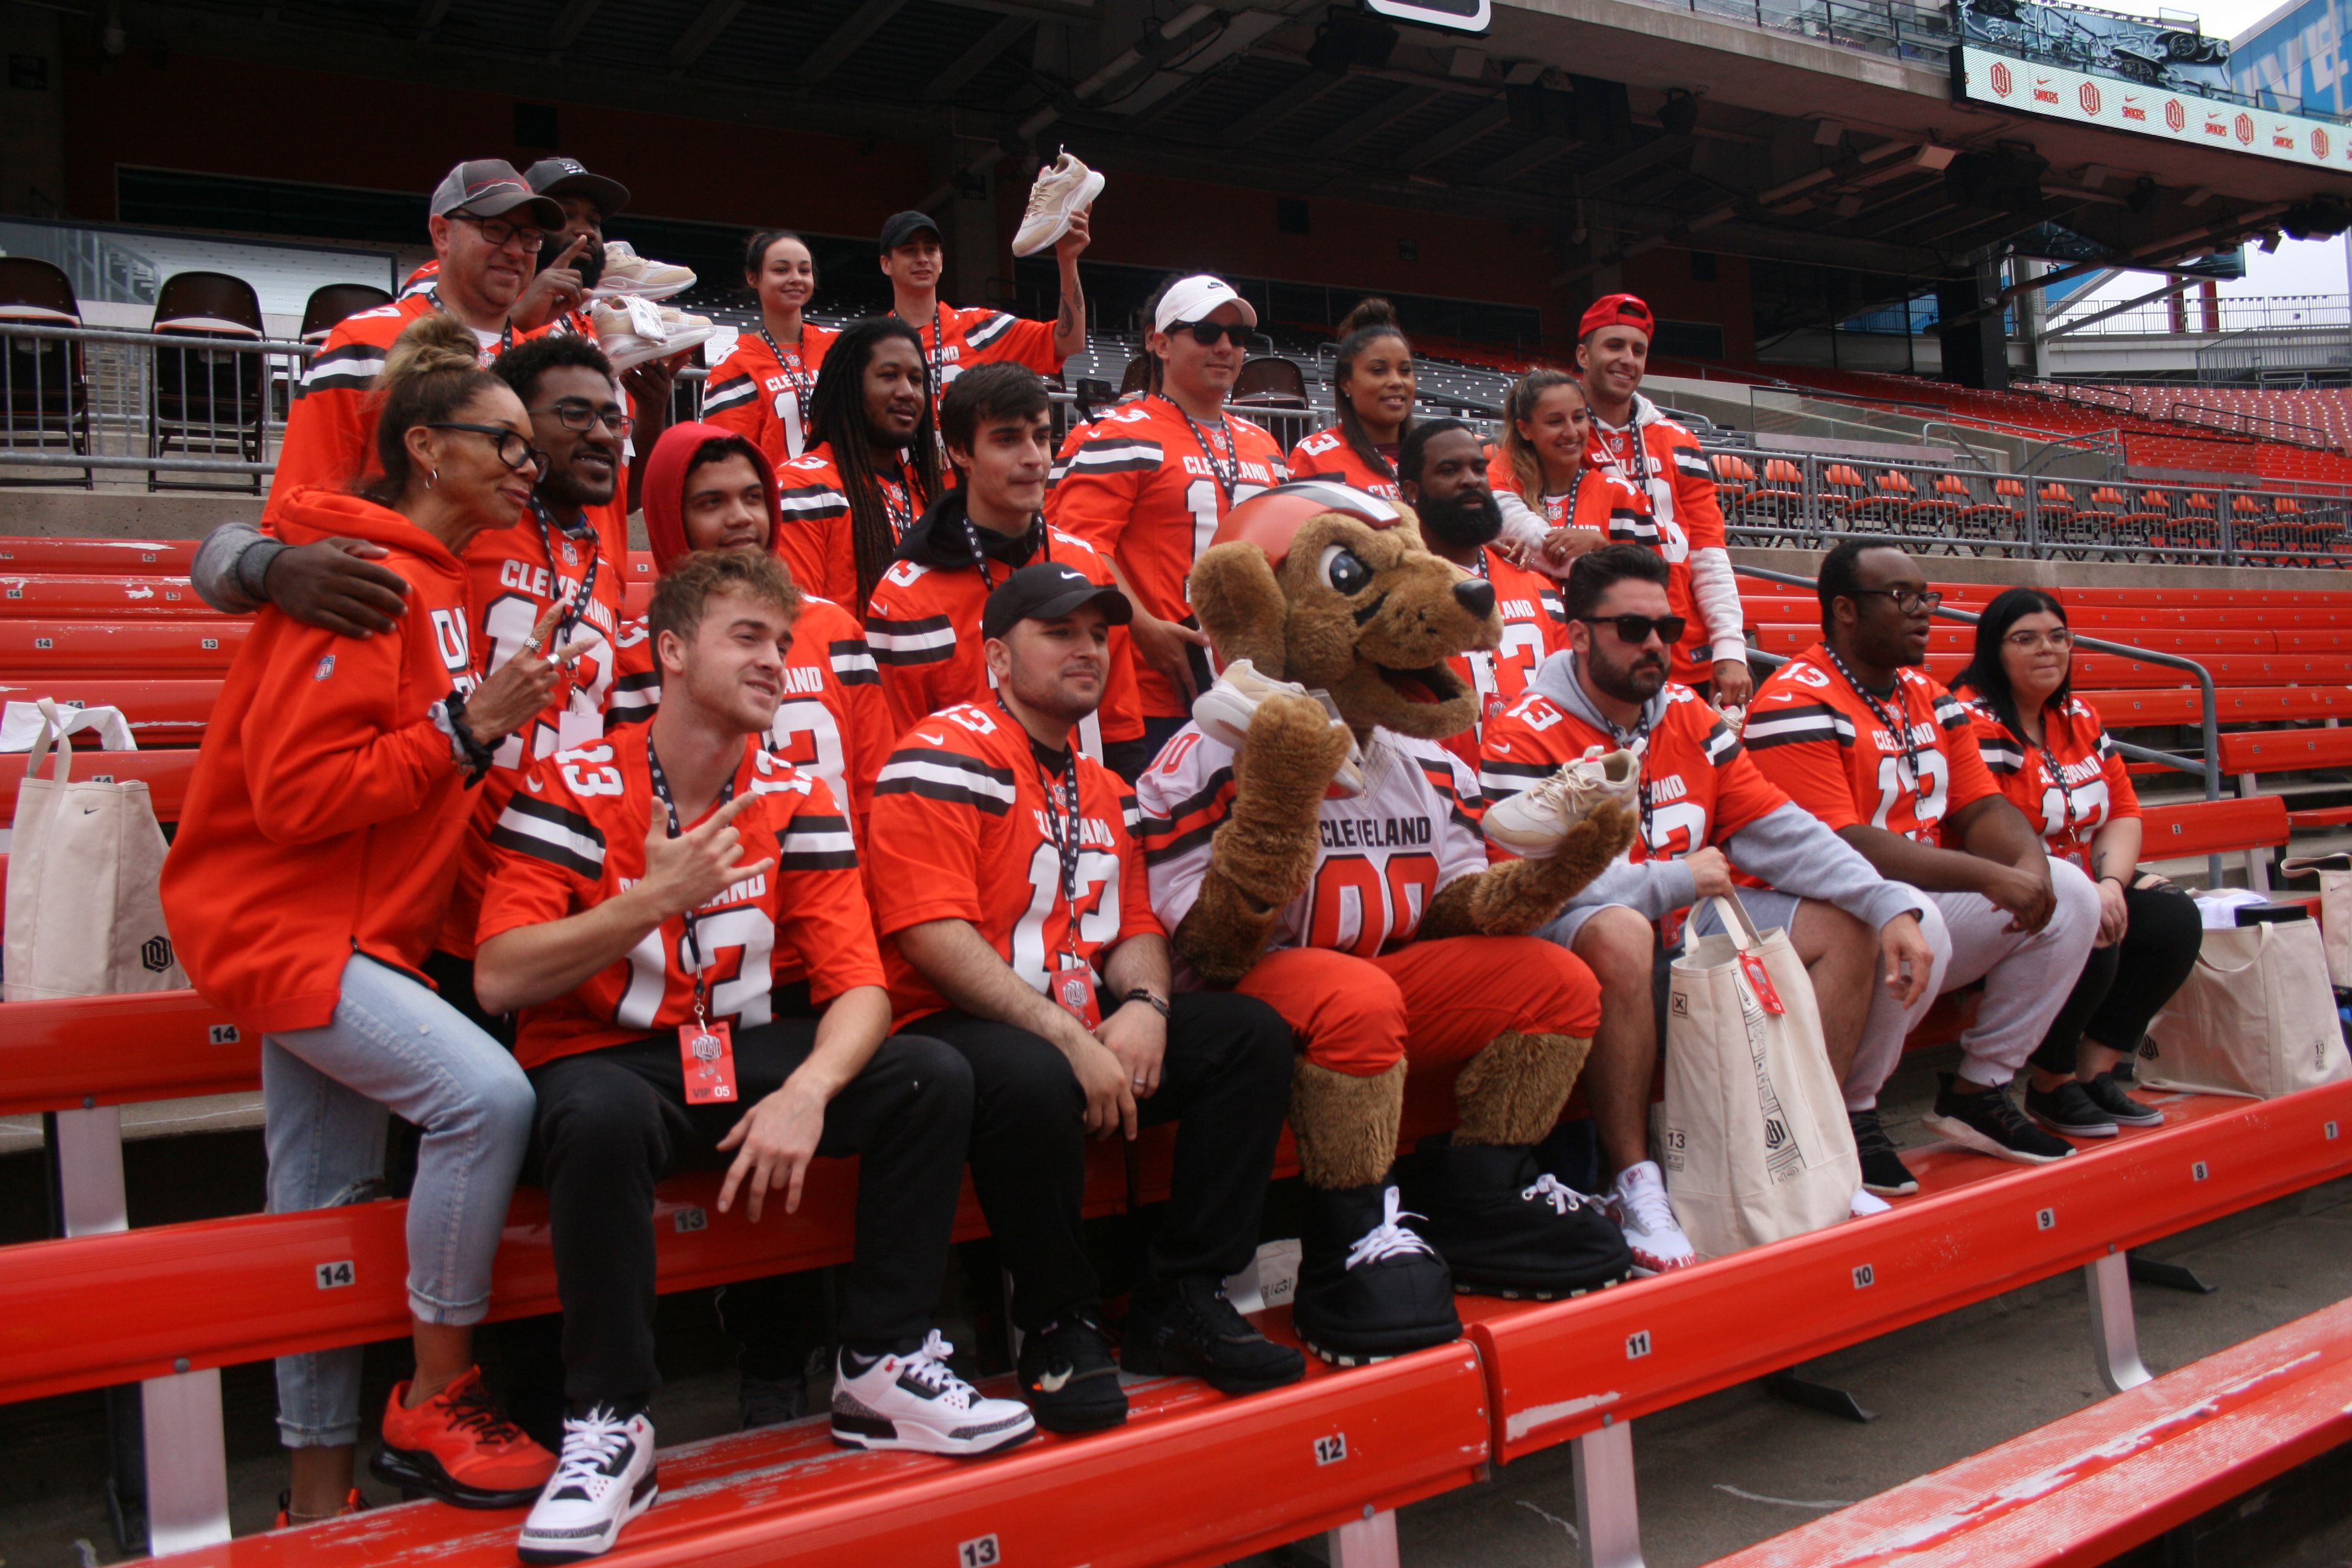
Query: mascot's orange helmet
(1270, 518)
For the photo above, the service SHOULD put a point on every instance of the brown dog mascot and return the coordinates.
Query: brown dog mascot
(1334, 868)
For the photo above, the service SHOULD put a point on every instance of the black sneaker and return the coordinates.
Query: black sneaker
(1369, 1287)
(1882, 1169)
(2068, 1111)
(1190, 1330)
(1068, 1378)
(1507, 1227)
(1990, 1123)
(2109, 1096)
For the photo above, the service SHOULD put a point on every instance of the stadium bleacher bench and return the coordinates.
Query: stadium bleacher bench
(160, 713)
(2281, 751)
(2090, 1487)
(165, 773)
(111, 557)
(156, 648)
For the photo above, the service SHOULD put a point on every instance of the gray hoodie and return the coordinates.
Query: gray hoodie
(1788, 847)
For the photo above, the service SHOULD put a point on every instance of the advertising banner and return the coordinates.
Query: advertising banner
(2035, 89)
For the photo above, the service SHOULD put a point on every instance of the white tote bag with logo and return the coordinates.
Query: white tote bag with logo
(2334, 873)
(84, 915)
(1753, 1135)
(2255, 1017)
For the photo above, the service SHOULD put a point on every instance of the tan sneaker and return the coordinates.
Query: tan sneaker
(1532, 824)
(627, 273)
(1225, 711)
(1063, 186)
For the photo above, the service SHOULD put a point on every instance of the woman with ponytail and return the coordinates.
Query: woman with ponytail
(871, 467)
(761, 388)
(314, 860)
(1372, 392)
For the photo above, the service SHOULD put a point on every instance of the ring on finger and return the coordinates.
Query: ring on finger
(533, 645)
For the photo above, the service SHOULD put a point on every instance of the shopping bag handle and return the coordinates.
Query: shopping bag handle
(61, 728)
(1737, 925)
(2261, 941)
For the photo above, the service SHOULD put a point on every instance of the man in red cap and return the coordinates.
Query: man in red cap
(1662, 461)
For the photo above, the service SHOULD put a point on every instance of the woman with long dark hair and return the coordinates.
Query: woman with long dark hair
(871, 467)
(761, 389)
(2051, 757)
(1372, 393)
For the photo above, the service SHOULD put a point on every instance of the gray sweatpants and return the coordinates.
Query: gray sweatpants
(2027, 976)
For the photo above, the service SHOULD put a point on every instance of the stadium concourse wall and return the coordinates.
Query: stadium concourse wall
(80, 514)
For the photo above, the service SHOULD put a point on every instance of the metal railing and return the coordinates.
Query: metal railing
(2260, 427)
(1890, 27)
(2260, 353)
(2189, 313)
(1811, 501)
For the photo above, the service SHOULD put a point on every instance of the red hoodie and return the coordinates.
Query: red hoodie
(833, 722)
(326, 810)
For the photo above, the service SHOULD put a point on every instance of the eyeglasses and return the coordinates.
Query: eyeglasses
(1208, 334)
(585, 417)
(1634, 630)
(513, 451)
(1910, 601)
(2058, 638)
(500, 233)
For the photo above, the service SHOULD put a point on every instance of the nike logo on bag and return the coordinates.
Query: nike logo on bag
(1053, 1382)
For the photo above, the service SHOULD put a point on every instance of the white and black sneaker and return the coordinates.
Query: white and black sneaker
(2108, 1094)
(1884, 1173)
(917, 1402)
(1990, 1122)
(603, 1478)
(2069, 1112)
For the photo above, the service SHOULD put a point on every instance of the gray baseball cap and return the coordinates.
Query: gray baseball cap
(490, 187)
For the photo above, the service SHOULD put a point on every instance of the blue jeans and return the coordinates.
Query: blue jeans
(394, 1046)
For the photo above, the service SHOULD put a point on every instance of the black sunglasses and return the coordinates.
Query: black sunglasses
(1634, 630)
(1208, 334)
(513, 451)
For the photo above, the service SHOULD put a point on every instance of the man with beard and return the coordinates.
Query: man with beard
(1441, 471)
(1698, 787)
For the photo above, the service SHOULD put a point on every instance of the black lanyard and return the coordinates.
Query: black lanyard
(1897, 721)
(2057, 775)
(571, 622)
(506, 333)
(1064, 838)
(901, 516)
(1568, 501)
(1640, 456)
(1228, 475)
(803, 383)
(1637, 740)
(1035, 535)
(661, 793)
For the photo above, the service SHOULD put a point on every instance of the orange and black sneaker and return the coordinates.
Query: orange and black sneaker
(286, 1519)
(458, 1446)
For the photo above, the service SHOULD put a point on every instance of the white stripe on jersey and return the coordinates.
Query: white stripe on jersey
(530, 825)
(945, 770)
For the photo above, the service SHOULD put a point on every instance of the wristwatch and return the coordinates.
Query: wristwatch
(1151, 999)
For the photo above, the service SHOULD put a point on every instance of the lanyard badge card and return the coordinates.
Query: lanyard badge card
(705, 1052)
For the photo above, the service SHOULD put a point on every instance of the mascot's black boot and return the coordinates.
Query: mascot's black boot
(1507, 1228)
(1367, 1287)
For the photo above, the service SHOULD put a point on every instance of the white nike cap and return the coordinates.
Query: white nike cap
(1193, 299)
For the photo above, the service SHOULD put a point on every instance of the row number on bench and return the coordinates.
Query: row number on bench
(1864, 1275)
(2045, 1219)
(689, 1220)
(980, 1551)
(221, 1034)
(2198, 1172)
(335, 1276)
(1637, 1344)
(1332, 1450)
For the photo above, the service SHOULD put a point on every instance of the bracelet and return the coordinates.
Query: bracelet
(1158, 1004)
(2119, 881)
(449, 715)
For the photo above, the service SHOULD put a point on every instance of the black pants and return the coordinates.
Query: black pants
(2124, 985)
(612, 1123)
(1226, 1074)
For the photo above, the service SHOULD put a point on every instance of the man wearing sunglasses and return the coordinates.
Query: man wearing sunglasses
(1154, 477)
(1854, 931)
(1864, 739)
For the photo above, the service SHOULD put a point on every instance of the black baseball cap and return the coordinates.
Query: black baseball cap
(903, 226)
(570, 177)
(1046, 591)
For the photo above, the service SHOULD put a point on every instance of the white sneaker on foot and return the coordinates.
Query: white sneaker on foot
(1063, 186)
(916, 1402)
(603, 1478)
(1225, 711)
(626, 272)
(1638, 1204)
(1867, 1203)
(1533, 822)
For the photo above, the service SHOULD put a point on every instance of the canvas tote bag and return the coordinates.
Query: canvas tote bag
(2255, 1017)
(1753, 1135)
(2335, 872)
(84, 916)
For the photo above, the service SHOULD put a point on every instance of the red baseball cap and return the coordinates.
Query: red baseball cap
(1617, 310)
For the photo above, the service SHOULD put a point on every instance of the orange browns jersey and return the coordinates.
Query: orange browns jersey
(923, 626)
(2091, 788)
(575, 836)
(511, 581)
(1530, 604)
(763, 398)
(1383, 855)
(1814, 736)
(833, 723)
(1599, 501)
(813, 528)
(331, 430)
(961, 337)
(961, 832)
(1660, 462)
(1142, 490)
(1703, 786)
(1326, 455)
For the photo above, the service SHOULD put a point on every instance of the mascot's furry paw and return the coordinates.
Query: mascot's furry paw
(1292, 752)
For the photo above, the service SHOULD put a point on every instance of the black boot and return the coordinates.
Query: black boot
(1507, 1228)
(1367, 1287)
(1187, 1329)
